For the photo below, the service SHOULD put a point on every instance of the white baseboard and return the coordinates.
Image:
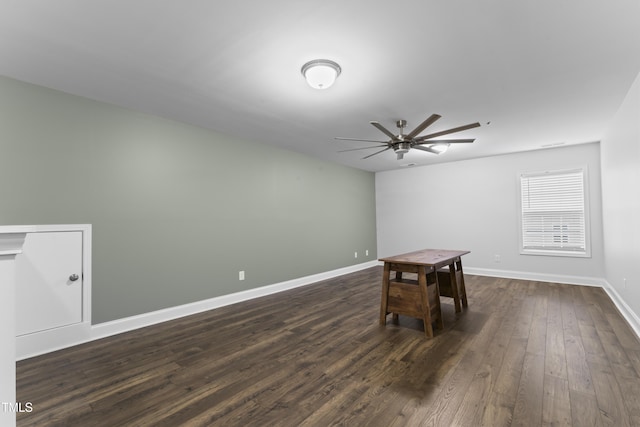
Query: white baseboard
(538, 277)
(630, 316)
(55, 339)
(41, 342)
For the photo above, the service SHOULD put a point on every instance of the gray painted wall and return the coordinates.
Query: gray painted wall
(176, 210)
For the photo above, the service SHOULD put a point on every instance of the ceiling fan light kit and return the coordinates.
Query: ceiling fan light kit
(402, 143)
(440, 148)
(321, 73)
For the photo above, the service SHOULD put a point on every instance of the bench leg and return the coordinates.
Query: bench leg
(463, 289)
(384, 298)
(426, 308)
(439, 321)
(454, 286)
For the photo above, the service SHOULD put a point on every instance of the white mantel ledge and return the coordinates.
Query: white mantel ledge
(11, 243)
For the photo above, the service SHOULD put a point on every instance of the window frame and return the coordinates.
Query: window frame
(586, 253)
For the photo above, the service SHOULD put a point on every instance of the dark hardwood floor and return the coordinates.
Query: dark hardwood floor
(524, 353)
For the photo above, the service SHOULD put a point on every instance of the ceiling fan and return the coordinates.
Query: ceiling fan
(402, 143)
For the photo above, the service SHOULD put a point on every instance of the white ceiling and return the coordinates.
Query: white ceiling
(541, 72)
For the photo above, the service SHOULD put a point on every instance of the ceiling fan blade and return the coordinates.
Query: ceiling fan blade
(358, 139)
(377, 152)
(448, 131)
(428, 149)
(356, 149)
(422, 126)
(385, 131)
(446, 141)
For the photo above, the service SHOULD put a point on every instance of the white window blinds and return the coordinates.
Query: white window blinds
(553, 212)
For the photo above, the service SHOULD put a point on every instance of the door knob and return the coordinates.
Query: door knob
(74, 277)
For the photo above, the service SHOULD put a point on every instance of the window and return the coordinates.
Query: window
(554, 218)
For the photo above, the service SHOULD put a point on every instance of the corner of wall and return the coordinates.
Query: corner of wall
(630, 316)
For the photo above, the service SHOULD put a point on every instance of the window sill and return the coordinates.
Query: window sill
(555, 253)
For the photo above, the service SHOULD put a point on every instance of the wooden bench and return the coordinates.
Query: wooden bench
(409, 297)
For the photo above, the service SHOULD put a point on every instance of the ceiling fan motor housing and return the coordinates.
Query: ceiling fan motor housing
(401, 147)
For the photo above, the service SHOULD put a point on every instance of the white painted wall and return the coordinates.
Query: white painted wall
(473, 205)
(621, 200)
(10, 246)
(7, 336)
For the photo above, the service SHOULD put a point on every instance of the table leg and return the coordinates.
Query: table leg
(395, 318)
(385, 293)
(439, 321)
(463, 289)
(454, 286)
(426, 308)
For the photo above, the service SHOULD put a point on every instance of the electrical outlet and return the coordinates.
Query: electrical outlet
(624, 283)
(355, 255)
(366, 253)
(496, 258)
(241, 275)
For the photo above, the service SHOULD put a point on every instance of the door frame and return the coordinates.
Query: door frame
(53, 339)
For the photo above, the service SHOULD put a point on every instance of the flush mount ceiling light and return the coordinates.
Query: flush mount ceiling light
(321, 73)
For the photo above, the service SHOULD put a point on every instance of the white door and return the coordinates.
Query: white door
(49, 281)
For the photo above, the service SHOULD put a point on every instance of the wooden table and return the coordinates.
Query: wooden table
(421, 298)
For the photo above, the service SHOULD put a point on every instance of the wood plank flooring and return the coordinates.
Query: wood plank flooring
(523, 354)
